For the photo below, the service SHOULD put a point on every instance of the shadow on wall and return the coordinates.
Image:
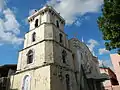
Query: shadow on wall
(5, 73)
(5, 83)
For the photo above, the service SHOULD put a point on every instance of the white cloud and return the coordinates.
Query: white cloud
(9, 26)
(10, 22)
(103, 51)
(71, 9)
(78, 23)
(100, 63)
(92, 44)
(105, 63)
(2, 3)
(31, 11)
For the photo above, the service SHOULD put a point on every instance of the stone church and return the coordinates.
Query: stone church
(49, 61)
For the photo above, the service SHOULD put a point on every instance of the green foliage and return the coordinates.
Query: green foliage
(109, 24)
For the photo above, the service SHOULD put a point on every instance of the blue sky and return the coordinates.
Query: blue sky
(81, 22)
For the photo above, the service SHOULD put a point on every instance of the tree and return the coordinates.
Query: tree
(109, 24)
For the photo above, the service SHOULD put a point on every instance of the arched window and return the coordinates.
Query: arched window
(60, 37)
(26, 83)
(29, 57)
(67, 81)
(57, 23)
(36, 23)
(64, 54)
(33, 37)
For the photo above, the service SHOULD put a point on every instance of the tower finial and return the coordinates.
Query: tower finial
(46, 5)
(75, 35)
(103, 65)
(82, 39)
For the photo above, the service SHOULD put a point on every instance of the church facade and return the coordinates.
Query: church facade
(49, 61)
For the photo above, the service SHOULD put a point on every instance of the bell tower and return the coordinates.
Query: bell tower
(45, 62)
(46, 28)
